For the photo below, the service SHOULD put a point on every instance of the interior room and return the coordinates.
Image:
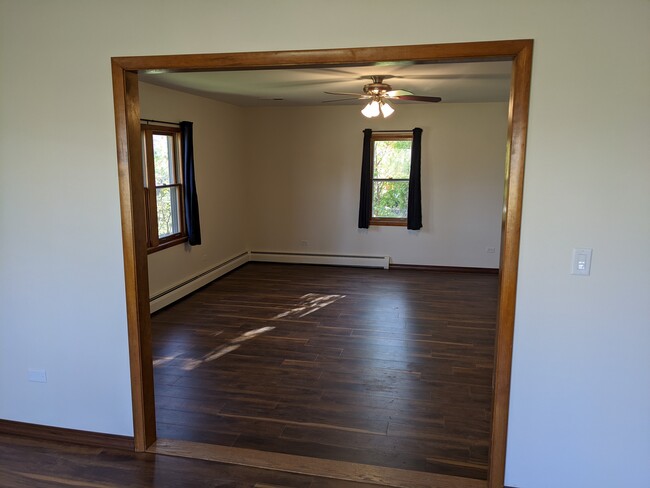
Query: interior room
(277, 163)
(296, 188)
(575, 402)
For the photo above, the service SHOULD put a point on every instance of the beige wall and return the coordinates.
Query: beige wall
(220, 184)
(580, 392)
(304, 165)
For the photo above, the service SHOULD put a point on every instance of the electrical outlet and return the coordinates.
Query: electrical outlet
(37, 375)
(491, 250)
(304, 244)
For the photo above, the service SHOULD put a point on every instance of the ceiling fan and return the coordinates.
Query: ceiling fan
(379, 93)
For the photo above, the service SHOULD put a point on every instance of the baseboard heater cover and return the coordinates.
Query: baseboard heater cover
(330, 259)
(186, 287)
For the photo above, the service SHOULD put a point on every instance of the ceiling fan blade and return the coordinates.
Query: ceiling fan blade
(417, 98)
(358, 95)
(398, 93)
(340, 100)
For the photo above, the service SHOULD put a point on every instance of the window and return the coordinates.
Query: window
(163, 187)
(391, 168)
(390, 192)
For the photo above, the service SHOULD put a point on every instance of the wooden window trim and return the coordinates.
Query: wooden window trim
(388, 221)
(167, 243)
(387, 136)
(155, 243)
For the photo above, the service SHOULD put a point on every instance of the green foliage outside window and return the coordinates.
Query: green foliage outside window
(164, 210)
(391, 169)
(166, 197)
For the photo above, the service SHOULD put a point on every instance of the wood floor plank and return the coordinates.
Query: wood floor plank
(34, 463)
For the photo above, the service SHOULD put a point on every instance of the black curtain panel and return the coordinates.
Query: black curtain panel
(191, 198)
(414, 216)
(365, 197)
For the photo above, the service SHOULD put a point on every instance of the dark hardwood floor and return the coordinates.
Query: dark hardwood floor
(31, 463)
(390, 368)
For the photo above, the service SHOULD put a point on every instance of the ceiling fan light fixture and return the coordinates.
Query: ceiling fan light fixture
(386, 109)
(371, 110)
(378, 93)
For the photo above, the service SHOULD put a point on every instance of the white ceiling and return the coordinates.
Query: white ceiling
(454, 82)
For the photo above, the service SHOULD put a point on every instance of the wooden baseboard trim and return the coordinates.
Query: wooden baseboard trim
(340, 470)
(450, 269)
(61, 434)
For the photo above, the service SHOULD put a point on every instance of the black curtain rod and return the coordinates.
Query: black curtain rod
(411, 130)
(159, 121)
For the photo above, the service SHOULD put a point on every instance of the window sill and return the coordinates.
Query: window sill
(167, 244)
(389, 222)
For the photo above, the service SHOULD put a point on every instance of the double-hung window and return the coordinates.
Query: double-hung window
(391, 187)
(391, 168)
(163, 187)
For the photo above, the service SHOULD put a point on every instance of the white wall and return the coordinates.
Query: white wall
(305, 169)
(221, 189)
(581, 374)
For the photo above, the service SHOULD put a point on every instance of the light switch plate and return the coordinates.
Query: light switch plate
(581, 261)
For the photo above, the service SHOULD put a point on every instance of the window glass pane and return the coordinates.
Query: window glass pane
(167, 209)
(390, 199)
(163, 159)
(392, 159)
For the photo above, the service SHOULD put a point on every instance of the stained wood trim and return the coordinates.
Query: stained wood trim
(66, 435)
(449, 269)
(151, 213)
(510, 236)
(468, 51)
(339, 470)
(173, 130)
(391, 136)
(387, 221)
(174, 241)
(134, 246)
(131, 198)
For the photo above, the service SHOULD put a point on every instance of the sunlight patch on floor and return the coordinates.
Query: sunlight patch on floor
(309, 303)
(217, 352)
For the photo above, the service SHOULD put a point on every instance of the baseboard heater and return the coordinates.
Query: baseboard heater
(179, 290)
(186, 287)
(331, 259)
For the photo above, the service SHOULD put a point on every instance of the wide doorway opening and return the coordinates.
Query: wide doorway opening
(127, 118)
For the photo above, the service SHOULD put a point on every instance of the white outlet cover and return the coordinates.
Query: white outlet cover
(37, 375)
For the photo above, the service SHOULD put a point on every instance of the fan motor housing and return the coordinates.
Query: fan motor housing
(376, 88)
